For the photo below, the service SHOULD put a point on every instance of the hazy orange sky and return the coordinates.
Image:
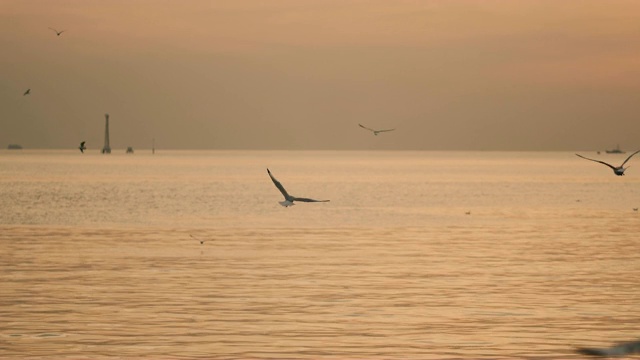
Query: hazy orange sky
(296, 74)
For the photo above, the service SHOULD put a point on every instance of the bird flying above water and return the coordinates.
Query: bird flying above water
(82, 147)
(375, 132)
(618, 170)
(201, 241)
(618, 350)
(57, 32)
(288, 199)
(27, 92)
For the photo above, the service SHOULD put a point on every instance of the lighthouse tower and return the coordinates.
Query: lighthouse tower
(106, 149)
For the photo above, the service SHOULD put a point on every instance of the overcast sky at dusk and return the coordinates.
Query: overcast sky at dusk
(297, 74)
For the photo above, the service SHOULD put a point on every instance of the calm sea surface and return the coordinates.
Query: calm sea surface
(98, 259)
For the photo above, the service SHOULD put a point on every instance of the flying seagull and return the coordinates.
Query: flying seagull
(201, 241)
(82, 147)
(375, 132)
(288, 199)
(57, 32)
(618, 350)
(616, 170)
(27, 92)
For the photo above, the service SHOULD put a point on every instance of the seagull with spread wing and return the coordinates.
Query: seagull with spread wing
(82, 147)
(58, 33)
(27, 92)
(195, 238)
(618, 350)
(288, 199)
(618, 170)
(375, 132)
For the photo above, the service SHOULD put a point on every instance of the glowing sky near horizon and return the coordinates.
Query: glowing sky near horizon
(294, 74)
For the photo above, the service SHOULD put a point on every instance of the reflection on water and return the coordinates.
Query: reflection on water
(404, 273)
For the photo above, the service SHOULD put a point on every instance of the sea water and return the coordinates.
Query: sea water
(430, 255)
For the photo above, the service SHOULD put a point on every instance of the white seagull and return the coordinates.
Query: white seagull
(57, 32)
(288, 199)
(619, 170)
(375, 132)
(82, 147)
(618, 350)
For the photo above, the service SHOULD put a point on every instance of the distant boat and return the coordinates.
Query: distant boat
(129, 150)
(615, 151)
(14, 147)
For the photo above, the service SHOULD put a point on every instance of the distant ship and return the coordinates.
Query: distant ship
(615, 151)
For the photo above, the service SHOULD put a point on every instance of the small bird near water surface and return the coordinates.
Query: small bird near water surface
(288, 199)
(614, 351)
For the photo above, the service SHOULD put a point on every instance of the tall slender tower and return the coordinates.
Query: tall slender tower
(106, 149)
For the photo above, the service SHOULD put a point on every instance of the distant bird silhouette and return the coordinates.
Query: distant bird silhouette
(82, 147)
(618, 350)
(27, 92)
(288, 199)
(57, 32)
(618, 170)
(201, 241)
(468, 213)
(375, 132)
(635, 209)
